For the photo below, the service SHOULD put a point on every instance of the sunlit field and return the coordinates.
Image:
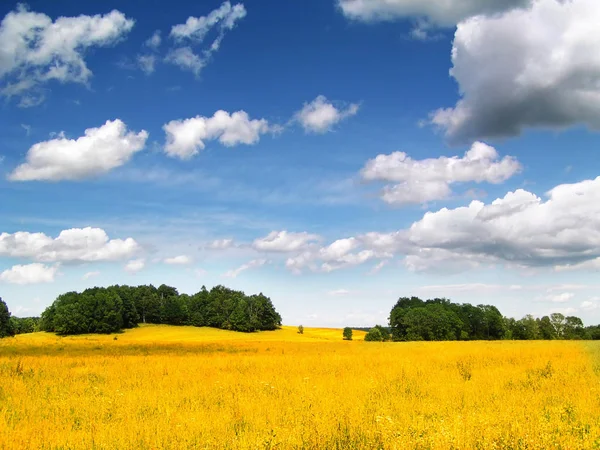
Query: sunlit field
(184, 387)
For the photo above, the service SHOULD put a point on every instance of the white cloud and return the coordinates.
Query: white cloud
(29, 274)
(35, 49)
(135, 265)
(153, 42)
(195, 30)
(250, 265)
(527, 68)
(27, 129)
(147, 63)
(422, 181)
(440, 12)
(185, 138)
(186, 59)
(558, 298)
(220, 244)
(89, 275)
(180, 260)
(564, 311)
(97, 152)
(320, 115)
(589, 305)
(74, 245)
(518, 230)
(284, 241)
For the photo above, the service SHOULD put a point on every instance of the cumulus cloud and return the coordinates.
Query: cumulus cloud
(284, 241)
(73, 245)
(320, 115)
(194, 31)
(97, 152)
(518, 230)
(36, 50)
(563, 297)
(29, 274)
(135, 265)
(589, 305)
(249, 265)
(180, 260)
(422, 181)
(185, 138)
(528, 68)
(147, 63)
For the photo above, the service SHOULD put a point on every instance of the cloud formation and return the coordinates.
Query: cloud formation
(284, 241)
(35, 273)
(439, 12)
(194, 31)
(528, 68)
(422, 181)
(320, 115)
(185, 138)
(180, 260)
(249, 265)
(73, 245)
(96, 153)
(135, 265)
(35, 50)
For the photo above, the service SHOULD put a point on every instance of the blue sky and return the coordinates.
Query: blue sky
(334, 155)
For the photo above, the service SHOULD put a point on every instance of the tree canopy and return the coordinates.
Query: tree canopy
(111, 309)
(6, 327)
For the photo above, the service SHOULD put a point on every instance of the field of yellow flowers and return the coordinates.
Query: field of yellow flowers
(182, 387)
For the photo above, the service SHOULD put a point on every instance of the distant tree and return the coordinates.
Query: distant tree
(558, 322)
(574, 328)
(347, 334)
(547, 330)
(385, 334)
(300, 329)
(374, 335)
(6, 325)
(23, 325)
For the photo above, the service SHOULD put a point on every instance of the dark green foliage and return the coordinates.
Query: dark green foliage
(374, 335)
(300, 329)
(108, 310)
(347, 334)
(413, 319)
(23, 325)
(6, 325)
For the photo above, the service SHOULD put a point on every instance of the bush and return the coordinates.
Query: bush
(347, 334)
(374, 335)
(300, 329)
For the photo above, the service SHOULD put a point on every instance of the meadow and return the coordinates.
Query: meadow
(185, 387)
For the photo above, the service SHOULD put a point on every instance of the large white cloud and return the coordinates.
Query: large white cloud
(320, 115)
(74, 245)
(440, 12)
(518, 230)
(421, 181)
(194, 31)
(537, 67)
(29, 274)
(97, 152)
(34, 49)
(135, 265)
(284, 241)
(185, 138)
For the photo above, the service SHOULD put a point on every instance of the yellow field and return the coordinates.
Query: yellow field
(179, 388)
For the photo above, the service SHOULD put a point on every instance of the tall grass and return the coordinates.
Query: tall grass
(179, 388)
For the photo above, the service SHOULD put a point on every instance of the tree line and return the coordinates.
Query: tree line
(414, 319)
(112, 309)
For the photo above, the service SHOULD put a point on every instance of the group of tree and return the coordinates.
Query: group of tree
(413, 319)
(111, 309)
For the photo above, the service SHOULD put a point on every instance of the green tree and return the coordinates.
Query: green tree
(547, 331)
(300, 329)
(347, 334)
(6, 326)
(374, 335)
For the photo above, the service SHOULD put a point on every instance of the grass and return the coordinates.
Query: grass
(184, 387)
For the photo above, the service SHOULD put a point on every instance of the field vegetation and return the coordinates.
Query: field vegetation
(159, 386)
